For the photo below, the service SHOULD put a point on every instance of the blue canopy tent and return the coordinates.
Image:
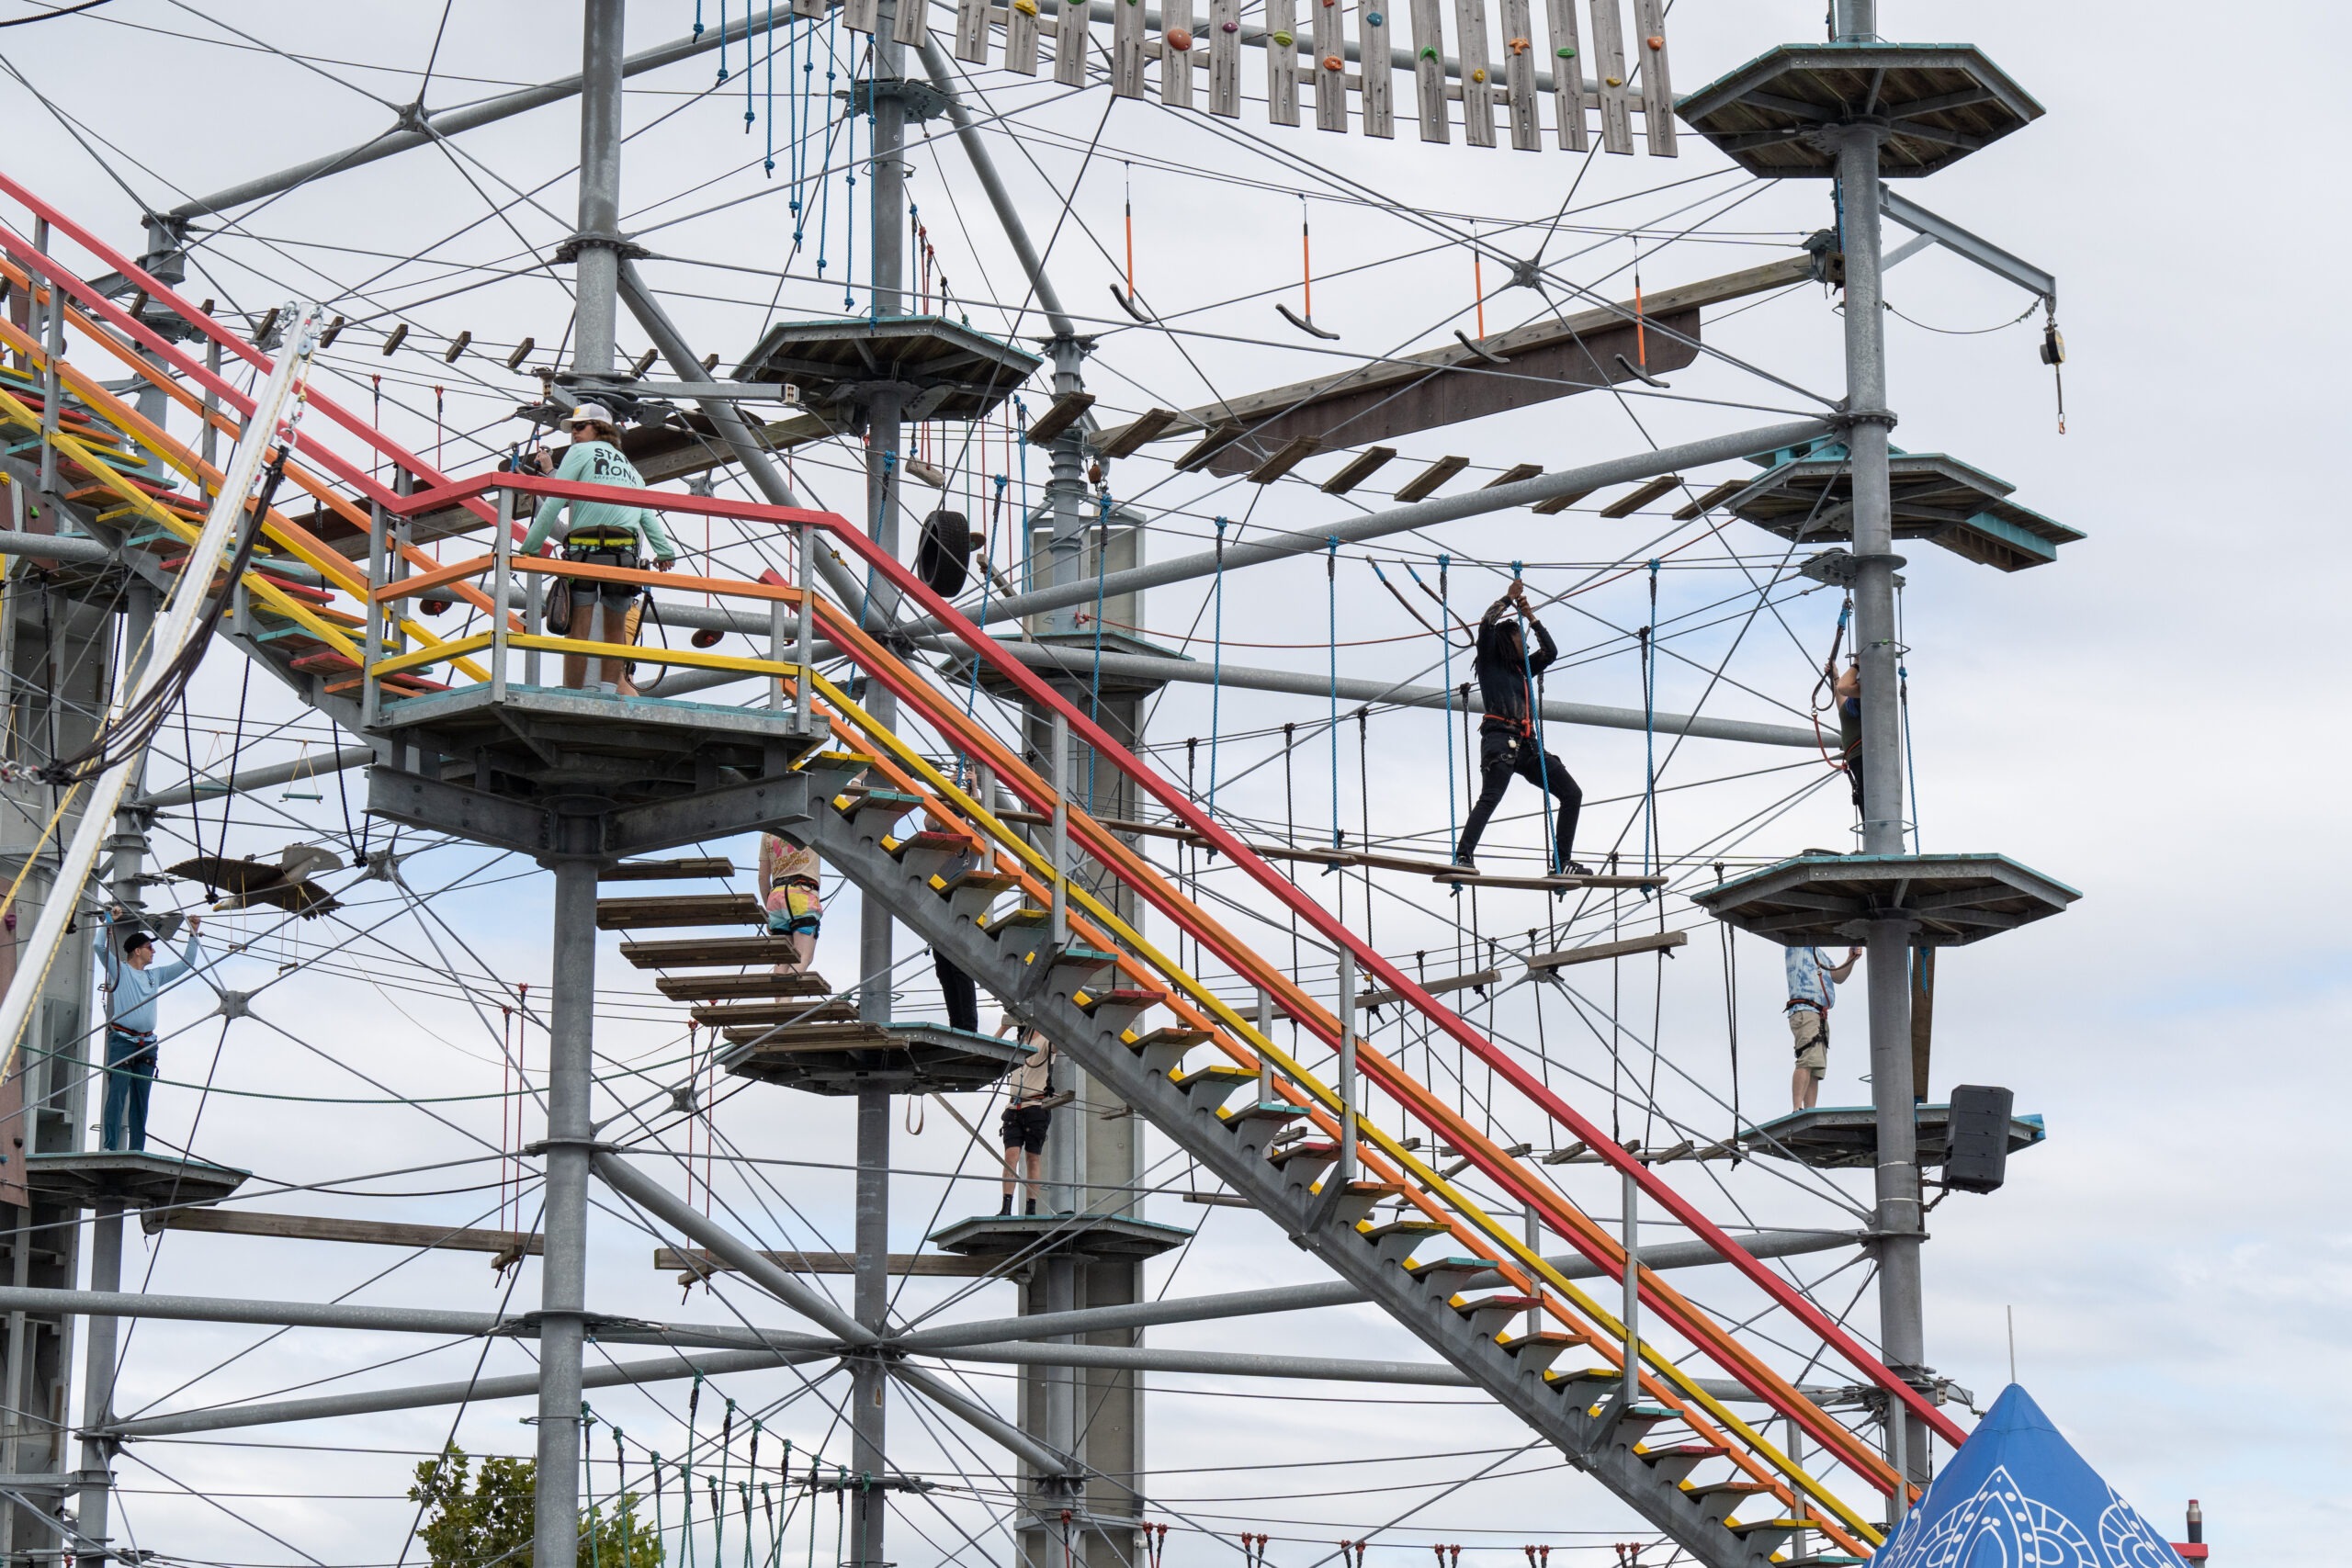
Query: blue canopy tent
(2018, 1495)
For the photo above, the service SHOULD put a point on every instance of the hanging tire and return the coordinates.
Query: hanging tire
(943, 556)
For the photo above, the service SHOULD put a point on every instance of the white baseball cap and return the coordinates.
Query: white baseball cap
(591, 413)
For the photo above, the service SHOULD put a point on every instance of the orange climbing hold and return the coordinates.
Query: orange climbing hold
(1178, 39)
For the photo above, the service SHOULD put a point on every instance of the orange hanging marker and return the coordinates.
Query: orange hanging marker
(1478, 280)
(1306, 282)
(1641, 331)
(1126, 297)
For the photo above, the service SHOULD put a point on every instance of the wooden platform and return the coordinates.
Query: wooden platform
(1941, 102)
(710, 952)
(1806, 492)
(1845, 1137)
(901, 1056)
(1822, 900)
(134, 1180)
(1097, 1235)
(741, 988)
(683, 909)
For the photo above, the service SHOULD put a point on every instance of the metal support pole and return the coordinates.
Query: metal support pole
(596, 269)
(372, 638)
(1902, 1332)
(501, 578)
(1066, 500)
(563, 1276)
(1265, 1032)
(98, 1382)
(869, 1380)
(128, 848)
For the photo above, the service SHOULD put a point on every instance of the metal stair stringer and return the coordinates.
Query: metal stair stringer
(1029, 992)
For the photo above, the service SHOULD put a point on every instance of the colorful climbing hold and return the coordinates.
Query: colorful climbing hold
(1178, 39)
(1026, 8)
(1231, 27)
(1333, 62)
(1284, 40)
(1564, 53)
(1479, 74)
(1657, 41)
(1519, 46)
(1613, 82)
(1373, 19)
(1429, 52)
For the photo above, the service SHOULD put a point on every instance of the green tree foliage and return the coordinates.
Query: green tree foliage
(483, 1518)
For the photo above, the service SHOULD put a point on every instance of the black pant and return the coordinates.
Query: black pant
(1503, 756)
(956, 989)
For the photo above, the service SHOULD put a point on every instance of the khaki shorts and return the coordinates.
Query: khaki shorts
(1811, 1034)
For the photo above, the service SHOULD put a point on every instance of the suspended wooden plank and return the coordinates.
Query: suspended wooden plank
(1129, 440)
(1127, 49)
(972, 31)
(1021, 38)
(1357, 470)
(1424, 484)
(862, 16)
(1567, 74)
(1513, 474)
(1479, 981)
(1609, 64)
(819, 9)
(1633, 499)
(1494, 879)
(1295, 451)
(1592, 952)
(1281, 62)
(1330, 65)
(909, 25)
(319, 1227)
(944, 1265)
(666, 870)
(1477, 75)
(1429, 73)
(1518, 76)
(1379, 78)
(1176, 53)
(1225, 58)
(1658, 83)
(1558, 503)
(1713, 497)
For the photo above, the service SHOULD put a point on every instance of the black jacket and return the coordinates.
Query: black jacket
(1506, 678)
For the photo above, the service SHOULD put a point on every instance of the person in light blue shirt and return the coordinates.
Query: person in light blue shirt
(133, 979)
(1813, 991)
(599, 533)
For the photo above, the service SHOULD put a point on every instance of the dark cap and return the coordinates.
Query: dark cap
(135, 937)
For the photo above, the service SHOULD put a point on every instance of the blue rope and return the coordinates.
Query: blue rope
(1446, 625)
(749, 68)
(698, 18)
(824, 191)
(1649, 730)
(874, 530)
(1028, 565)
(1331, 577)
(768, 162)
(849, 257)
(722, 40)
(1535, 730)
(1216, 663)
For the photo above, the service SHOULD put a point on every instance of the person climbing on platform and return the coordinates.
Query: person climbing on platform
(792, 894)
(1813, 991)
(599, 533)
(1846, 691)
(1508, 746)
(1027, 1116)
(127, 955)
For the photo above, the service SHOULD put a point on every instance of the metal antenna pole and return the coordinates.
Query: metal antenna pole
(1898, 1219)
(563, 1275)
(596, 247)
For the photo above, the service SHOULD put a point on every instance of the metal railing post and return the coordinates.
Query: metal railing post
(1265, 1033)
(372, 647)
(806, 653)
(1347, 1170)
(501, 576)
(1061, 830)
(535, 622)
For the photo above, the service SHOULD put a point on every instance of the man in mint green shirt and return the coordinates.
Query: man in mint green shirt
(601, 534)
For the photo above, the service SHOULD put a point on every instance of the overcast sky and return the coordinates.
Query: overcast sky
(2155, 719)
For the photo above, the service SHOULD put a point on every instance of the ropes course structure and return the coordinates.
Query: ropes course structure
(528, 952)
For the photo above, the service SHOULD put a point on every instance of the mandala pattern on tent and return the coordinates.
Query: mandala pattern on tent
(2000, 1527)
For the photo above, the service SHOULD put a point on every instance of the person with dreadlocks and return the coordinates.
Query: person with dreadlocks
(133, 978)
(1507, 743)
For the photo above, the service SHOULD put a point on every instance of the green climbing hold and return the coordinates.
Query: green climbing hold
(1284, 40)
(1564, 53)
(1429, 53)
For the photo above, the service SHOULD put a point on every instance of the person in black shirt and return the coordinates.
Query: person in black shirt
(1507, 743)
